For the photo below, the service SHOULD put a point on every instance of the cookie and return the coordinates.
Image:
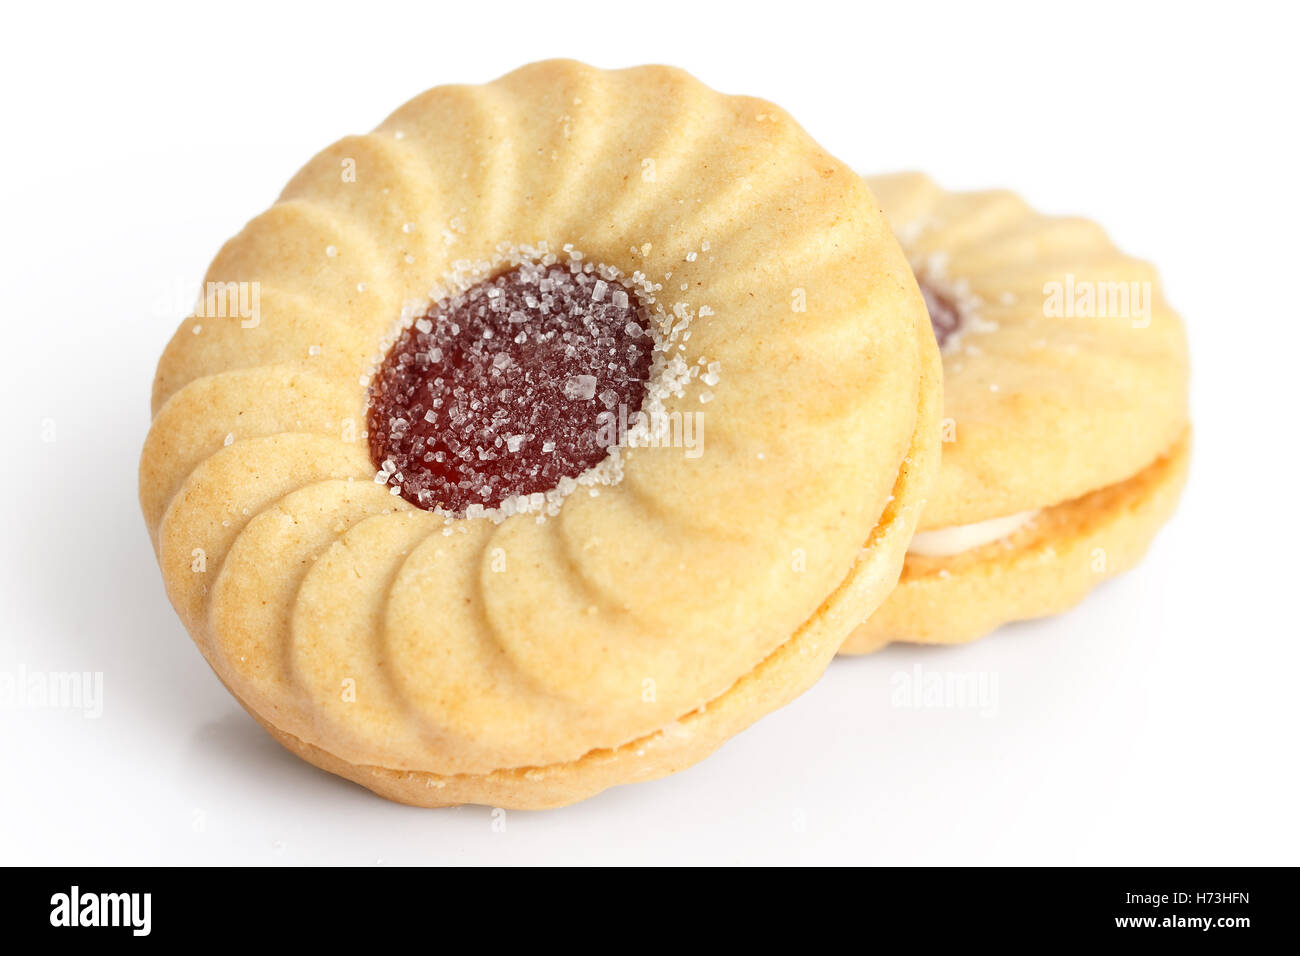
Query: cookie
(1066, 429)
(516, 451)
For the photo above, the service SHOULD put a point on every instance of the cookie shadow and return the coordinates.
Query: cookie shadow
(234, 745)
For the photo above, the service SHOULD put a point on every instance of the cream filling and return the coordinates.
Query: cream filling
(944, 542)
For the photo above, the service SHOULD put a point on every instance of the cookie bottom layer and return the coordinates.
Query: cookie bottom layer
(1044, 569)
(777, 681)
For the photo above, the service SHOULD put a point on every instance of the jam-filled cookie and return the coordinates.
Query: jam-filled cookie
(1065, 413)
(517, 451)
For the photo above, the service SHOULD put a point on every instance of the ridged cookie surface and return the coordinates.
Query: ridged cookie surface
(1047, 397)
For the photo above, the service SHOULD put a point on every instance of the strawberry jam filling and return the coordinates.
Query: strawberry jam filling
(496, 392)
(945, 317)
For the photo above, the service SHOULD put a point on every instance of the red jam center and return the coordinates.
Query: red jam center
(497, 391)
(945, 317)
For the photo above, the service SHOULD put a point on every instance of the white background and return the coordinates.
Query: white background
(1154, 724)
